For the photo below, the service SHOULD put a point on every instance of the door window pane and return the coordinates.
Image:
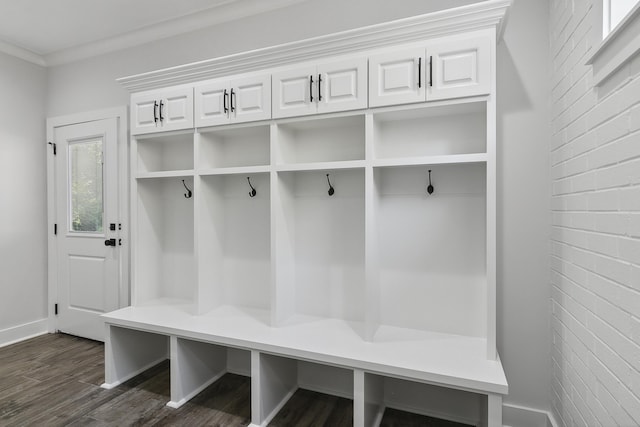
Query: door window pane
(85, 169)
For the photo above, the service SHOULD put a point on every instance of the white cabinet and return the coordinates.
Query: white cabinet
(233, 101)
(323, 88)
(363, 239)
(164, 110)
(447, 68)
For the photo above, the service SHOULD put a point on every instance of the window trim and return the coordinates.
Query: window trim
(622, 44)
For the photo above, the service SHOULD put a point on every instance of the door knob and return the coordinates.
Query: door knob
(110, 242)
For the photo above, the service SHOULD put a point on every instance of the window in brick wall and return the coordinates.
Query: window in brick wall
(613, 12)
(615, 36)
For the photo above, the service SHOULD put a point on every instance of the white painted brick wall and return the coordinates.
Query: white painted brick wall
(595, 236)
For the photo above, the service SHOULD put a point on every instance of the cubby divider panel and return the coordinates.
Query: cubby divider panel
(323, 235)
(165, 152)
(321, 140)
(164, 263)
(235, 146)
(432, 248)
(431, 131)
(234, 241)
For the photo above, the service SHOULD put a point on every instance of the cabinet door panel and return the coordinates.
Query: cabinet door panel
(292, 92)
(343, 86)
(177, 112)
(397, 78)
(144, 107)
(210, 102)
(252, 98)
(460, 68)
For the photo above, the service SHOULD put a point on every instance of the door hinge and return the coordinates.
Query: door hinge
(55, 229)
(55, 309)
(55, 148)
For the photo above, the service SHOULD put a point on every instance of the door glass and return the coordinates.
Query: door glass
(85, 180)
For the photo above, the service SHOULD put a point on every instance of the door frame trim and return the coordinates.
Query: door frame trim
(121, 115)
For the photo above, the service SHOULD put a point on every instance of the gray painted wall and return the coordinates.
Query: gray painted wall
(23, 202)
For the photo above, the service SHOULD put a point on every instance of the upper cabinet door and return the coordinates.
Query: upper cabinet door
(397, 77)
(294, 92)
(459, 68)
(342, 85)
(144, 113)
(177, 110)
(250, 98)
(162, 110)
(212, 103)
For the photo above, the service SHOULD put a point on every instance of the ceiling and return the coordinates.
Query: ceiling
(51, 32)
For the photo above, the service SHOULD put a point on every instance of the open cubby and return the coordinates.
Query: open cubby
(164, 263)
(405, 402)
(431, 262)
(234, 147)
(322, 242)
(165, 152)
(196, 365)
(234, 241)
(321, 140)
(431, 131)
(282, 381)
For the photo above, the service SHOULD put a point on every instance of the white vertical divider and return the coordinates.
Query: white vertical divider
(282, 251)
(208, 238)
(491, 227)
(134, 237)
(194, 366)
(273, 382)
(368, 399)
(372, 286)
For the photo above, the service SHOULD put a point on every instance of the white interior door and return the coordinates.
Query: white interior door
(86, 199)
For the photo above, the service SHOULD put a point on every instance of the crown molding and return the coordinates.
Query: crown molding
(23, 54)
(481, 15)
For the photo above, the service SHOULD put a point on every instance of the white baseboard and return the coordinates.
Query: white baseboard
(23, 332)
(522, 416)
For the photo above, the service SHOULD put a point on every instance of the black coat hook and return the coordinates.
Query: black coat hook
(430, 187)
(331, 189)
(188, 194)
(253, 191)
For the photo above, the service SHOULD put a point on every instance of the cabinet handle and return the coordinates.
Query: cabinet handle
(155, 111)
(310, 88)
(430, 71)
(161, 105)
(233, 108)
(419, 72)
(319, 87)
(225, 101)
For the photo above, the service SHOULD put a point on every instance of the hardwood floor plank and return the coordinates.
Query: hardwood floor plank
(312, 409)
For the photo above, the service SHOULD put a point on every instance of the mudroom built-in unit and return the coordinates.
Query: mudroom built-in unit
(322, 215)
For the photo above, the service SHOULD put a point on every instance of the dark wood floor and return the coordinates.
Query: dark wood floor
(54, 380)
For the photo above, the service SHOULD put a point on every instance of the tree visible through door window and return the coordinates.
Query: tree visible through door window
(85, 161)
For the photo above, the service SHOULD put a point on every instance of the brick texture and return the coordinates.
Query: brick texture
(595, 236)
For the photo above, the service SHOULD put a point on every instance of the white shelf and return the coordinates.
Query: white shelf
(439, 359)
(318, 166)
(165, 174)
(452, 159)
(238, 170)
